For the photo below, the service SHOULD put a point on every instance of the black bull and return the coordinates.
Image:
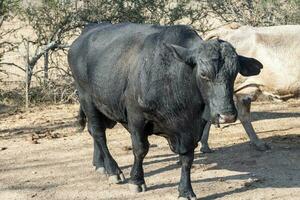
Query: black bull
(162, 80)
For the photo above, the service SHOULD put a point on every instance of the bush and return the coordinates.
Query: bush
(256, 12)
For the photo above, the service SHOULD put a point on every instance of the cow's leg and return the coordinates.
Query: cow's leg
(204, 139)
(101, 151)
(140, 146)
(185, 187)
(243, 107)
(88, 110)
(102, 157)
(98, 160)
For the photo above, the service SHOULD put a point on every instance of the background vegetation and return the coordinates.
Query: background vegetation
(39, 32)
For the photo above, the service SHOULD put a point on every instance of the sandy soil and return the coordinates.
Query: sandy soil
(43, 157)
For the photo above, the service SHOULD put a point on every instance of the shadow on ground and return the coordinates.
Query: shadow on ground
(39, 128)
(277, 168)
(256, 116)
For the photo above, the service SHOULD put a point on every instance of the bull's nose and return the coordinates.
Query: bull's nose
(227, 119)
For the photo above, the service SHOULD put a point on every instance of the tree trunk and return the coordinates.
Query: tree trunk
(46, 67)
(76, 5)
(27, 78)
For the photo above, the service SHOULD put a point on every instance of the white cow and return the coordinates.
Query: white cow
(278, 49)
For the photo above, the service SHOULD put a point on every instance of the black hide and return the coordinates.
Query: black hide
(153, 80)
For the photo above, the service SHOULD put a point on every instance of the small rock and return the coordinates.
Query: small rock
(153, 145)
(19, 132)
(34, 141)
(127, 148)
(36, 135)
(3, 148)
(221, 179)
(251, 181)
(248, 184)
(34, 195)
(54, 135)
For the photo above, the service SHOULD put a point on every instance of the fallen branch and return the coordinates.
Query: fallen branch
(13, 64)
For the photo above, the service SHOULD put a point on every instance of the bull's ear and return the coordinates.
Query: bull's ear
(249, 66)
(181, 53)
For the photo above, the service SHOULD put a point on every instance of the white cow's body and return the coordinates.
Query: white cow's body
(278, 49)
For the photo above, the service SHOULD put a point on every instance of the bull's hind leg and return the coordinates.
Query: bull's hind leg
(98, 160)
(102, 158)
(97, 130)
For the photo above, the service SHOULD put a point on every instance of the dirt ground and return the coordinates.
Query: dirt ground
(43, 157)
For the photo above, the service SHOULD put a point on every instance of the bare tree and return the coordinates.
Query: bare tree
(52, 23)
(8, 10)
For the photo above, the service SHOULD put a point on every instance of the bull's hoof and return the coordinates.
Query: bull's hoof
(137, 188)
(100, 170)
(187, 198)
(178, 162)
(206, 149)
(116, 179)
(80, 129)
(261, 146)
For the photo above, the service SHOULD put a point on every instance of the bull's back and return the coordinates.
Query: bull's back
(106, 60)
(112, 47)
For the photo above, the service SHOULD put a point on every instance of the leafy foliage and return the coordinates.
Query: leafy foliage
(145, 11)
(257, 12)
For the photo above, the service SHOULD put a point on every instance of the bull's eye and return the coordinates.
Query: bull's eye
(204, 77)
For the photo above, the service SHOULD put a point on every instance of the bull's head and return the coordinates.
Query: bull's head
(217, 64)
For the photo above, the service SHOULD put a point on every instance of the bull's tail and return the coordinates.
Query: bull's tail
(81, 120)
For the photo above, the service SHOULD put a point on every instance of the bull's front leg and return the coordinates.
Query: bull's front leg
(140, 146)
(185, 187)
